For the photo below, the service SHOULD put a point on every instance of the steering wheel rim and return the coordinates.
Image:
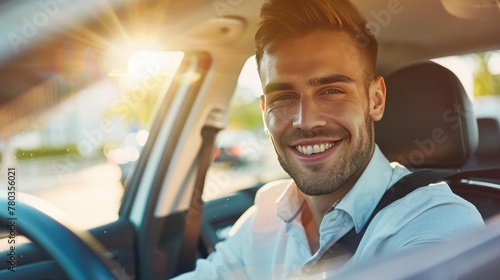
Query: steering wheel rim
(78, 253)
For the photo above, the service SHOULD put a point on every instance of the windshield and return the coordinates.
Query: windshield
(77, 152)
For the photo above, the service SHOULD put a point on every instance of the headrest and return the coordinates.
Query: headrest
(489, 139)
(428, 120)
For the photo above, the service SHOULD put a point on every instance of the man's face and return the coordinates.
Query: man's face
(319, 109)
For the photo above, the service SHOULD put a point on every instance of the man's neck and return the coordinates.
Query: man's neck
(317, 206)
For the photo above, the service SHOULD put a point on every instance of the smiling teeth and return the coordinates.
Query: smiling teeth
(314, 149)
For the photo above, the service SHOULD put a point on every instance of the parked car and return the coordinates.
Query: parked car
(237, 148)
(55, 52)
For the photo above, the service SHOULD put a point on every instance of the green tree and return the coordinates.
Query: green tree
(485, 83)
(245, 111)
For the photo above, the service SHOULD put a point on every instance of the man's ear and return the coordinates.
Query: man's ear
(377, 94)
(262, 103)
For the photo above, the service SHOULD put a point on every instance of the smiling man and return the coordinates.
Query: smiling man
(317, 64)
(319, 111)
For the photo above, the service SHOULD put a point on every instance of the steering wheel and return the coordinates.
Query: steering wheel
(78, 253)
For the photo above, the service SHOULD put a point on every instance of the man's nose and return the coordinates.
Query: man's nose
(308, 115)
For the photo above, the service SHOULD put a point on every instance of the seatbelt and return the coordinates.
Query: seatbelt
(187, 258)
(406, 185)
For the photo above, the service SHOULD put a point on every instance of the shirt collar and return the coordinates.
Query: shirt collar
(364, 196)
(290, 203)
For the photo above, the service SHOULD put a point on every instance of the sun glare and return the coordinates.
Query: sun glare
(144, 63)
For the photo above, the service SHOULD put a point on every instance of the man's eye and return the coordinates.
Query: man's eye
(281, 100)
(283, 97)
(332, 90)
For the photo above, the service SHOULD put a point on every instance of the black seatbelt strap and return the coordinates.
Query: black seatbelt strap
(187, 258)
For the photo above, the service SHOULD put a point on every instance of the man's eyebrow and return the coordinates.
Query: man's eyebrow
(278, 87)
(337, 78)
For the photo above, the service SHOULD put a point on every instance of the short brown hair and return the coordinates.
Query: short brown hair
(282, 19)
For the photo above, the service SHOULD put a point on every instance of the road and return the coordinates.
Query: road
(89, 193)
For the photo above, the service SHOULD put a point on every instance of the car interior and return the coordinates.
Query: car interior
(164, 222)
(442, 139)
(488, 148)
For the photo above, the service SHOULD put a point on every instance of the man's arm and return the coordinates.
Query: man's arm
(226, 262)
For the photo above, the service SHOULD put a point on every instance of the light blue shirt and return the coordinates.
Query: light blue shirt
(269, 241)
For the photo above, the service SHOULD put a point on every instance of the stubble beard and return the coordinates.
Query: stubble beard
(321, 179)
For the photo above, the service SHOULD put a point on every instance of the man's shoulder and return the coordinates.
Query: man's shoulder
(271, 191)
(427, 194)
(428, 198)
(434, 193)
(263, 215)
(429, 214)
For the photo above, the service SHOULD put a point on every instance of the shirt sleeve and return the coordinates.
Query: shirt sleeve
(226, 262)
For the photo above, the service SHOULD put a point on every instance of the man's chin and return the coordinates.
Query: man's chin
(317, 184)
(313, 179)
(315, 192)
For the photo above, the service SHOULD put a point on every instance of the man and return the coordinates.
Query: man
(317, 63)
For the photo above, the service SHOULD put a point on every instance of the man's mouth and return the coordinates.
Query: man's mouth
(314, 149)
